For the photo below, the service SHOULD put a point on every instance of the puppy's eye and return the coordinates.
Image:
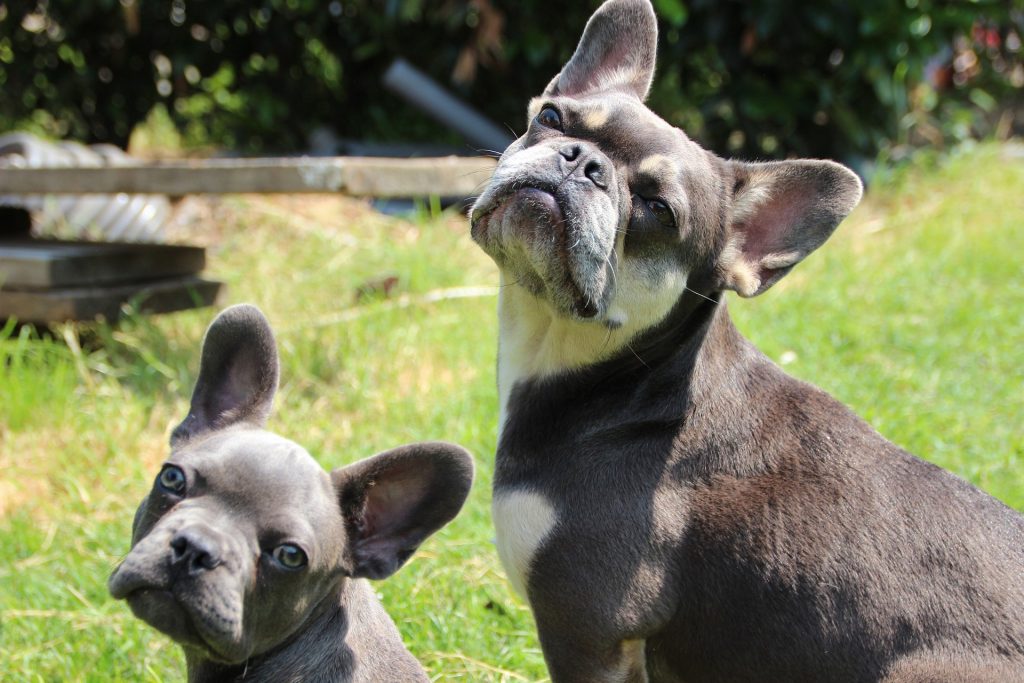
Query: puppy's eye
(172, 480)
(661, 212)
(549, 118)
(290, 556)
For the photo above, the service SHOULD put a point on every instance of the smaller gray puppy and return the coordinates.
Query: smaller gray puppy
(252, 557)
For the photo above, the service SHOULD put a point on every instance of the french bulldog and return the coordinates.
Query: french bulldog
(253, 558)
(673, 506)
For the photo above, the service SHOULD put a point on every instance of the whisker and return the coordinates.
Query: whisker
(693, 291)
(611, 270)
(630, 347)
(476, 172)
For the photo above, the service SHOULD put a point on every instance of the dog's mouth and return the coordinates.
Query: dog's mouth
(530, 232)
(162, 609)
(159, 608)
(538, 201)
(169, 609)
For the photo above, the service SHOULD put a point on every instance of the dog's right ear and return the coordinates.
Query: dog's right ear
(617, 52)
(393, 501)
(238, 374)
(781, 211)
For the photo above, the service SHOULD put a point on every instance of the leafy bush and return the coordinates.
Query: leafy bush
(761, 78)
(771, 77)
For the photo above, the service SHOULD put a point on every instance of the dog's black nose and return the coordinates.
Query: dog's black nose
(571, 152)
(594, 167)
(194, 552)
(595, 170)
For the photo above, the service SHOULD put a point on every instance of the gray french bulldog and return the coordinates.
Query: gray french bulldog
(673, 505)
(253, 558)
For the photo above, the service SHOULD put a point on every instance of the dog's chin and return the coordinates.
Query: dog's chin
(525, 233)
(159, 608)
(570, 304)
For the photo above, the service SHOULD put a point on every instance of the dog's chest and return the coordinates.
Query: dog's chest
(523, 520)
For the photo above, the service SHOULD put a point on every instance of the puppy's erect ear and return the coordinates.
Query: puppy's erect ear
(237, 374)
(393, 501)
(781, 211)
(617, 52)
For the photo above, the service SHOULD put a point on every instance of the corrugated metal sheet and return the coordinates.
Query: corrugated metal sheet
(112, 218)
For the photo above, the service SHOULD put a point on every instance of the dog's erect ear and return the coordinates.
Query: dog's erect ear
(237, 374)
(393, 501)
(781, 211)
(617, 52)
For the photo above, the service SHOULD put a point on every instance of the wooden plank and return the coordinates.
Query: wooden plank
(45, 264)
(89, 303)
(358, 176)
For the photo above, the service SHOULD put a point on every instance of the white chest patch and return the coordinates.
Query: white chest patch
(534, 342)
(522, 520)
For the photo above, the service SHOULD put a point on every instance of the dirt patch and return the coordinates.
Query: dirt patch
(19, 486)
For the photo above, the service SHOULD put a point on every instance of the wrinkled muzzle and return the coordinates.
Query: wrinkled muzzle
(186, 579)
(550, 227)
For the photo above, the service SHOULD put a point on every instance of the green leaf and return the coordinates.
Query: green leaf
(674, 11)
(983, 100)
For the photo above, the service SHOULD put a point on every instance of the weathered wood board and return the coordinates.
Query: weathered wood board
(357, 176)
(45, 264)
(89, 303)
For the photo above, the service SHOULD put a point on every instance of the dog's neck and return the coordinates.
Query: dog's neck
(693, 373)
(535, 343)
(302, 656)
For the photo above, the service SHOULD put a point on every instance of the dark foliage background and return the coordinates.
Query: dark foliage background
(758, 78)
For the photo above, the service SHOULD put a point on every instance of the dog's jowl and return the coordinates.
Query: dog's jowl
(253, 558)
(673, 506)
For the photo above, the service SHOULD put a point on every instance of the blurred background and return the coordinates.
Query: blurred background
(855, 81)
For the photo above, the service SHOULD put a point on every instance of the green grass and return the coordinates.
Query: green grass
(911, 314)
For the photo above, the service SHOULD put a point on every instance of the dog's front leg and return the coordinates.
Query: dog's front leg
(571, 659)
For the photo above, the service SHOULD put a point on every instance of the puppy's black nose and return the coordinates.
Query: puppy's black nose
(194, 552)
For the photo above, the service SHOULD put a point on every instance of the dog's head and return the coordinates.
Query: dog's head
(244, 537)
(605, 213)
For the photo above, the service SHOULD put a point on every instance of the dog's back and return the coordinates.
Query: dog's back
(845, 555)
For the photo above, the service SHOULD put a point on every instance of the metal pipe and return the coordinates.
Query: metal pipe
(423, 92)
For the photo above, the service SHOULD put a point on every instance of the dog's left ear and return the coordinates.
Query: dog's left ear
(617, 52)
(780, 212)
(238, 374)
(393, 501)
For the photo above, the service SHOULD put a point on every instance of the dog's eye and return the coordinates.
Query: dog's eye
(171, 479)
(549, 118)
(661, 212)
(290, 556)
